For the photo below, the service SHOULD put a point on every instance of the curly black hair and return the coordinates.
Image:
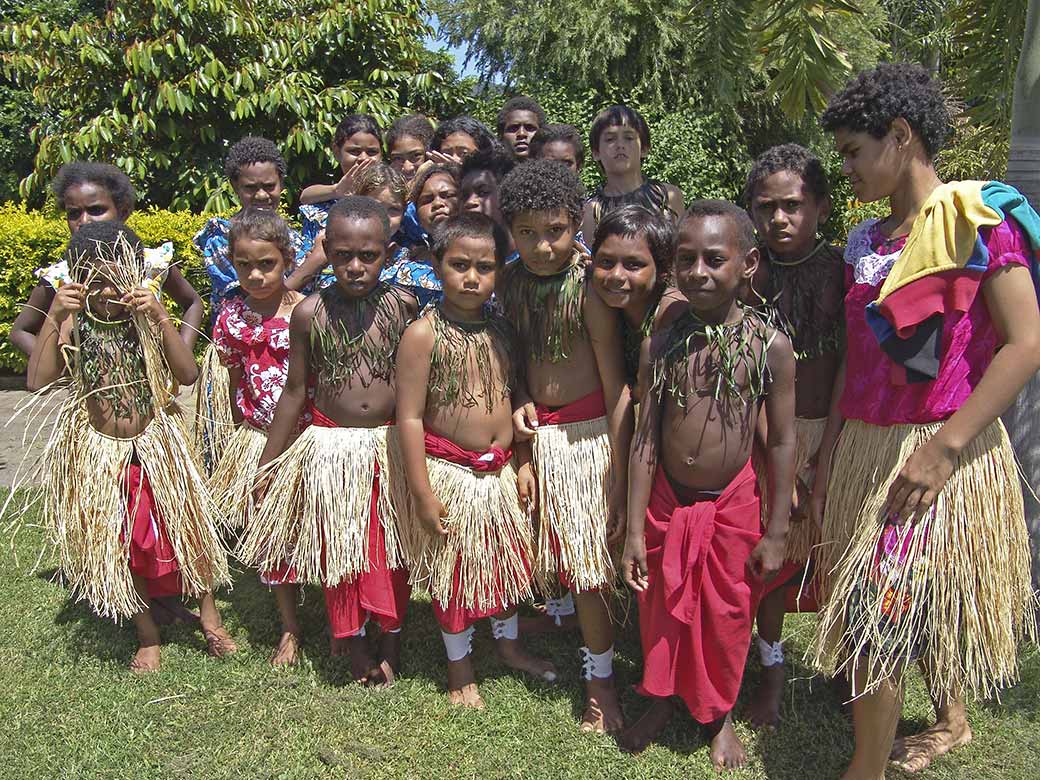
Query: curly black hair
(875, 98)
(654, 227)
(743, 227)
(541, 185)
(471, 225)
(412, 125)
(262, 225)
(355, 123)
(103, 175)
(357, 208)
(788, 157)
(519, 103)
(463, 124)
(253, 149)
(497, 161)
(568, 134)
(96, 241)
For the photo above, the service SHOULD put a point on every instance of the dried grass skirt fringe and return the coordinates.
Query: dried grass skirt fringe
(214, 423)
(233, 479)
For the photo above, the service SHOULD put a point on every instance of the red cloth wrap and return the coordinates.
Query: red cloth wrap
(151, 554)
(318, 418)
(380, 592)
(438, 446)
(695, 616)
(588, 408)
(454, 618)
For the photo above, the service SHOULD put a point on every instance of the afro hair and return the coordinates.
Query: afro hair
(742, 225)
(250, 150)
(876, 98)
(358, 208)
(638, 221)
(412, 125)
(103, 175)
(471, 225)
(541, 185)
(519, 103)
(425, 174)
(567, 134)
(463, 124)
(788, 157)
(497, 161)
(355, 123)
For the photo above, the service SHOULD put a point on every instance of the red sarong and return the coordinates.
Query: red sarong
(588, 407)
(454, 618)
(695, 617)
(152, 557)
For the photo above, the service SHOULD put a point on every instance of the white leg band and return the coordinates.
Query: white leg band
(598, 665)
(771, 654)
(560, 608)
(458, 646)
(393, 631)
(360, 632)
(505, 629)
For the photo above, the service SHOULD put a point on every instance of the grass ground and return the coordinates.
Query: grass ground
(69, 708)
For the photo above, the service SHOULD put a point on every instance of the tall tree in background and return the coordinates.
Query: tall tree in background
(162, 87)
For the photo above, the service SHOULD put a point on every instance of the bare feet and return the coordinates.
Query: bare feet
(602, 712)
(637, 737)
(362, 664)
(145, 660)
(914, 753)
(462, 685)
(764, 708)
(219, 643)
(466, 696)
(727, 751)
(516, 656)
(288, 651)
(385, 673)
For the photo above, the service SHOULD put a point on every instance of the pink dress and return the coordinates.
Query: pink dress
(872, 392)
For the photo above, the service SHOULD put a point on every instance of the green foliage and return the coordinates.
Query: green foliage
(163, 86)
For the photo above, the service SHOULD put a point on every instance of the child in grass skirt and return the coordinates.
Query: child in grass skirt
(123, 498)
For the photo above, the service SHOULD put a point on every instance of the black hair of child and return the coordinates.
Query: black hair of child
(425, 174)
(250, 150)
(355, 123)
(743, 226)
(874, 99)
(541, 185)
(471, 224)
(619, 116)
(106, 176)
(463, 124)
(519, 103)
(358, 208)
(497, 161)
(789, 157)
(568, 134)
(97, 241)
(634, 221)
(262, 225)
(413, 125)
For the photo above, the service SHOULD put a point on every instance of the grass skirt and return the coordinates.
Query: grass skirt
(953, 588)
(232, 480)
(214, 424)
(314, 517)
(802, 535)
(574, 467)
(85, 508)
(485, 559)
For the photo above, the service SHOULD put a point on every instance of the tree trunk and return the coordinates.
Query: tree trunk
(1023, 418)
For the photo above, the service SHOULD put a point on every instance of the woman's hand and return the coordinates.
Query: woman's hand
(919, 482)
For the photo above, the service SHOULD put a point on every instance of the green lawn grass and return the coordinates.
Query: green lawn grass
(69, 708)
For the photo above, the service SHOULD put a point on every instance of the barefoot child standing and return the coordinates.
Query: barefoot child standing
(252, 340)
(324, 500)
(571, 347)
(468, 538)
(802, 278)
(695, 554)
(122, 495)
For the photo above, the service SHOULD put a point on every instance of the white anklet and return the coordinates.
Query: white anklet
(771, 654)
(505, 629)
(459, 645)
(598, 665)
(560, 608)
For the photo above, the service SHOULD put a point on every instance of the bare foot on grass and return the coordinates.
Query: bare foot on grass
(145, 660)
(362, 664)
(602, 712)
(288, 651)
(219, 643)
(466, 696)
(727, 751)
(516, 656)
(462, 685)
(764, 708)
(637, 737)
(916, 752)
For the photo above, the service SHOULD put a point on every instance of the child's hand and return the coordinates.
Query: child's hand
(527, 487)
(633, 564)
(69, 299)
(919, 482)
(431, 512)
(439, 158)
(261, 484)
(767, 558)
(525, 422)
(349, 183)
(616, 515)
(142, 300)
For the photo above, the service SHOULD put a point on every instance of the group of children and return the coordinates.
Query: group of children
(466, 377)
